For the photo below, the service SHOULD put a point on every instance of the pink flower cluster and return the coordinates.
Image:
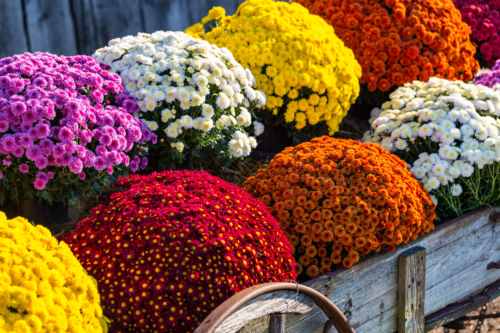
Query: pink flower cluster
(483, 16)
(491, 77)
(66, 112)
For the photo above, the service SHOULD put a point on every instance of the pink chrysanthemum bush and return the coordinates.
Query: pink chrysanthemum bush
(484, 18)
(65, 127)
(174, 245)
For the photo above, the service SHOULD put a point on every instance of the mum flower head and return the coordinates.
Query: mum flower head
(186, 242)
(309, 76)
(338, 200)
(177, 78)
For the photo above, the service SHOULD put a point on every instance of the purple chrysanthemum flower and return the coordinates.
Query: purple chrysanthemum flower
(18, 151)
(46, 143)
(110, 170)
(81, 175)
(67, 159)
(33, 152)
(105, 139)
(7, 162)
(41, 162)
(58, 150)
(134, 166)
(4, 126)
(76, 166)
(1, 175)
(40, 82)
(100, 163)
(66, 134)
(43, 176)
(39, 184)
(8, 143)
(23, 168)
(4, 82)
(18, 108)
(50, 174)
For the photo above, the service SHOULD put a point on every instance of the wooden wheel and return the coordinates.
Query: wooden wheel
(271, 298)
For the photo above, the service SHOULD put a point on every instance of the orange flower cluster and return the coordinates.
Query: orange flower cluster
(338, 200)
(399, 41)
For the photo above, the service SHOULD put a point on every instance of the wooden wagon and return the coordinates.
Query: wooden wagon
(422, 285)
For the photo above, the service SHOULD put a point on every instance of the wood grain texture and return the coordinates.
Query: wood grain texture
(173, 15)
(116, 19)
(85, 28)
(264, 305)
(277, 323)
(13, 38)
(411, 285)
(50, 26)
(457, 254)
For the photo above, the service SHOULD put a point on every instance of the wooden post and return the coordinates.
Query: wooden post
(411, 291)
(277, 323)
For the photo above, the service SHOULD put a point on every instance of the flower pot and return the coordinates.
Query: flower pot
(37, 212)
(274, 140)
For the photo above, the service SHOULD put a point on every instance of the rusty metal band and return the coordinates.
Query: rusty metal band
(223, 311)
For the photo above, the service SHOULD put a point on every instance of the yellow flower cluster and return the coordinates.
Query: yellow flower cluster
(308, 74)
(43, 287)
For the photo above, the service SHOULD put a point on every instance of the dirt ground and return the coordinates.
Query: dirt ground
(489, 325)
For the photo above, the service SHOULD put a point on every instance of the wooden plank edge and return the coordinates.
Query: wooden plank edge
(376, 256)
(455, 311)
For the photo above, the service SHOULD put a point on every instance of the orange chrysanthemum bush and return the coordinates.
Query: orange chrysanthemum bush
(399, 41)
(338, 200)
(174, 245)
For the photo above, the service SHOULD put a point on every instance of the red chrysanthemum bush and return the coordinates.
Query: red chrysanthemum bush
(174, 245)
(483, 16)
(399, 41)
(338, 200)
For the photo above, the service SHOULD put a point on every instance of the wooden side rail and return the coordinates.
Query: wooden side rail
(237, 303)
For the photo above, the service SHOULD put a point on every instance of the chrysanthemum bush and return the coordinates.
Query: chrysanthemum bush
(43, 287)
(490, 78)
(398, 41)
(309, 76)
(65, 127)
(193, 94)
(338, 200)
(174, 245)
(483, 16)
(448, 132)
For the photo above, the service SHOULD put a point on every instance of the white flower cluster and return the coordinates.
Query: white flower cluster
(195, 85)
(452, 127)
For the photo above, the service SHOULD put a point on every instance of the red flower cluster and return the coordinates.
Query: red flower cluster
(174, 245)
(483, 16)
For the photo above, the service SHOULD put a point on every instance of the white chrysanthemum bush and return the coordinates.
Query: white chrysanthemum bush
(448, 133)
(192, 94)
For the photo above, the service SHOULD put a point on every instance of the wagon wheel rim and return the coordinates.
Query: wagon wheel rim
(223, 311)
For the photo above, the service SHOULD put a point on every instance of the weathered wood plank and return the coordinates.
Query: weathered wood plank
(13, 37)
(411, 285)
(277, 322)
(116, 19)
(84, 21)
(50, 26)
(165, 15)
(274, 302)
(367, 293)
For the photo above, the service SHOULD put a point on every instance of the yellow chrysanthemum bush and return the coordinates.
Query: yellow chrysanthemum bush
(43, 287)
(309, 76)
